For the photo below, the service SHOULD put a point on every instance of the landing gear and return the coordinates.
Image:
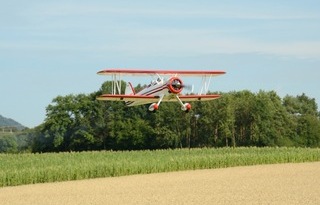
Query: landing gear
(186, 107)
(155, 106)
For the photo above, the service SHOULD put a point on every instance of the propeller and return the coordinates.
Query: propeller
(176, 85)
(188, 87)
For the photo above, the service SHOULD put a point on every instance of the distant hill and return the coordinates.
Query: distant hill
(7, 122)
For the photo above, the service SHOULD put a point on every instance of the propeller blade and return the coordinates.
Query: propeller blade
(188, 87)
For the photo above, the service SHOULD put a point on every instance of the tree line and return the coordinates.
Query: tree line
(238, 118)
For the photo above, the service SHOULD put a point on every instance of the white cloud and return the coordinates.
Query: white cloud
(170, 42)
(173, 42)
(169, 10)
(65, 26)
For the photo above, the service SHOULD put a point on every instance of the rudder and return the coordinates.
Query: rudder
(129, 89)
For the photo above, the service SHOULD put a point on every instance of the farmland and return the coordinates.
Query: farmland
(290, 183)
(18, 169)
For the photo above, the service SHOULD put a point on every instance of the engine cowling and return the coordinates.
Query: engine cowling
(175, 85)
(186, 107)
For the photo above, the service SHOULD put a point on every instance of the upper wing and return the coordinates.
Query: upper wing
(138, 72)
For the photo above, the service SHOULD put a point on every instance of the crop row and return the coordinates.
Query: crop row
(18, 169)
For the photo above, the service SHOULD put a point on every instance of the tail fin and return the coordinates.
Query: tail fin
(129, 89)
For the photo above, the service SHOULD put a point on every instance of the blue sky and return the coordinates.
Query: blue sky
(51, 48)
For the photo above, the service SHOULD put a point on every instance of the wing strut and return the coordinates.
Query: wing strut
(184, 106)
(205, 84)
(155, 106)
(116, 83)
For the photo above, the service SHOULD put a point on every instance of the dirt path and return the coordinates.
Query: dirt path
(266, 184)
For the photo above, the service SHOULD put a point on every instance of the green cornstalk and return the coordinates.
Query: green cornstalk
(18, 169)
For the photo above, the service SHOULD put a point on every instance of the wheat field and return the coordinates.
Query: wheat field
(297, 183)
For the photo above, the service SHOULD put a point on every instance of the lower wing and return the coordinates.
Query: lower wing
(198, 97)
(140, 99)
(130, 99)
(171, 98)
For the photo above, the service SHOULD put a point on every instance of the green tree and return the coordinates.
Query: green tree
(8, 144)
(70, 124)
(238, 118)
(305, 123)
(308, 130)
(272, 120)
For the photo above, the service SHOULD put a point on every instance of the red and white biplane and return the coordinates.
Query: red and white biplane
(166, 86)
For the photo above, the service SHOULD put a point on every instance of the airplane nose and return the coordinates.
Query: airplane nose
(175, 85)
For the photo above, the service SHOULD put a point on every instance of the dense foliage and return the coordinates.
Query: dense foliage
(18, 141)
(238, 118)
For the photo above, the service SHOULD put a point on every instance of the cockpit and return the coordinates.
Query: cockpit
(155, 82)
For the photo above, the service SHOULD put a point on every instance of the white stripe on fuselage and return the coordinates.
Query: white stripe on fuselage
(154, 89)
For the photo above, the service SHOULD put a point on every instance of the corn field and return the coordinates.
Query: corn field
(18, 169)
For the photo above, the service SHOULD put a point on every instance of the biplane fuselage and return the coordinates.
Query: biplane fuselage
(162, 88)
